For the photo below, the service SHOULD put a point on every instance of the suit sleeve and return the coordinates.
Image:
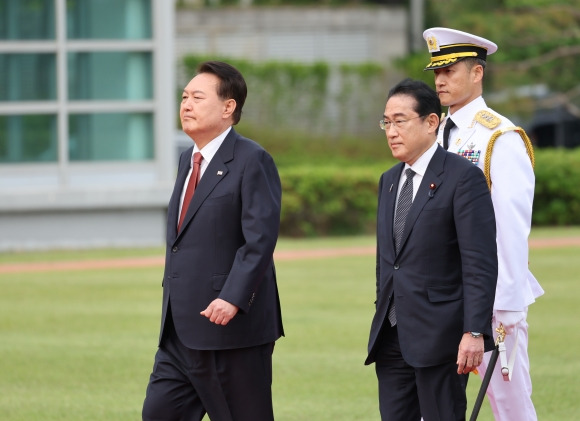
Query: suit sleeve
(260, 220)
(380, 214)
(476, 235)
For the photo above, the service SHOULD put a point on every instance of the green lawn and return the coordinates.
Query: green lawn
(79, 345)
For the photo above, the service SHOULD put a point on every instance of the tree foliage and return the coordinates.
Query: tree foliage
(539, 44)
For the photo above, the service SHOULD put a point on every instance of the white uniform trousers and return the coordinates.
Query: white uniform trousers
(512, 401)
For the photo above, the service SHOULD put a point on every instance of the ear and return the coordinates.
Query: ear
(433, 121)
(477, 72)
(229, 107)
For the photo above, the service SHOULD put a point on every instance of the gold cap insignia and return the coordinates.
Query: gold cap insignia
(432, 44)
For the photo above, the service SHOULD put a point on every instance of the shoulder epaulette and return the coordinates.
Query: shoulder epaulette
(487, 119)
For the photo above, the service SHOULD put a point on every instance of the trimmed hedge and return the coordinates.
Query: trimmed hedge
(328, 200)
(557, 195)
(337, 200)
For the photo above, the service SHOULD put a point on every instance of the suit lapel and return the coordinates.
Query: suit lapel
(215, 172)
(389, 199)
(427, 189)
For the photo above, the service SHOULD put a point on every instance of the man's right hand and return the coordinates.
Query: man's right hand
(470, 354)
(220, 312)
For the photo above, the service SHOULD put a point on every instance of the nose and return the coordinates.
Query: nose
(186, 104)
(388, 130)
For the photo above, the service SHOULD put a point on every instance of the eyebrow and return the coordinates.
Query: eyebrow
(396, 115)
(197, 91)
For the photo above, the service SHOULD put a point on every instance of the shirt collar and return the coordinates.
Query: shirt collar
(420, 165)
(209, 150)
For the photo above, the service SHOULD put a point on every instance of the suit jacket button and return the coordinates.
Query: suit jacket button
(174, 249)
(396, 266)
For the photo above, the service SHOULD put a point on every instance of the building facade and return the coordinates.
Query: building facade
(88, 98)
(87, 120)
(301, 34)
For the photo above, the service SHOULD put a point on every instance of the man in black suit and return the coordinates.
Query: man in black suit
(221, 311)
(436, 266)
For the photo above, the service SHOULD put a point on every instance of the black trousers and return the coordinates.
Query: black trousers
(406, 393)
(228, 385)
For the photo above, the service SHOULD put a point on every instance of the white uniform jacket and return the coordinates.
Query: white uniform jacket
(512, 189)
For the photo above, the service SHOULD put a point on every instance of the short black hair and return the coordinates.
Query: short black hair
(232, 84)
(474, 61)
(426, 99)
(471, 62)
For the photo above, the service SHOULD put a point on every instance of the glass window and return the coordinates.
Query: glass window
(28, 138)
(111, 137)
(27, 77)
(110, 75)
(108, 19)
(27, 19)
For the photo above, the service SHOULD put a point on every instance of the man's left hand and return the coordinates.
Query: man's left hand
(220, 312)
(509, 319)
(470, 353)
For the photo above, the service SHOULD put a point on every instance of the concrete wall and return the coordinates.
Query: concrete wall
(334, 35)
(345, 35)
(83, 228)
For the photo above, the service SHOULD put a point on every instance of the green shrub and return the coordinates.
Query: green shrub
(329, 200)
(341, 198)
(557, 194)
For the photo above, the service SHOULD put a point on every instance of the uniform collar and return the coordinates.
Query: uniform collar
(463, 117)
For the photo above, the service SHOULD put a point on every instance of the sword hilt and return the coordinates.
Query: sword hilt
(500, 334)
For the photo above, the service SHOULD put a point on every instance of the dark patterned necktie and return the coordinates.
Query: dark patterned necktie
(449, 124)
(403, 205)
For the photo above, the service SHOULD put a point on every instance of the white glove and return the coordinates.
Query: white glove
(509, 319)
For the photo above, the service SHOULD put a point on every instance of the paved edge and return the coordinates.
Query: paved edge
(280, 255)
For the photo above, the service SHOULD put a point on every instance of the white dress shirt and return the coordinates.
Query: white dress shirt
(207, 154)
(419, 166)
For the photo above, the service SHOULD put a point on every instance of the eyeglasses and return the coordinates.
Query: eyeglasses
(399, 124)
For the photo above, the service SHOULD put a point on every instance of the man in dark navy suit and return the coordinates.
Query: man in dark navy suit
(436, 266)
(221, 311)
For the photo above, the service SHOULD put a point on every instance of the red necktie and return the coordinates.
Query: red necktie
(193, 180)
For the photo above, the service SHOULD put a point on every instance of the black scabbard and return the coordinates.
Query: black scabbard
(484, 384)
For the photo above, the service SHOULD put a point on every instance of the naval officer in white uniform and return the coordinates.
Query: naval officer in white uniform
(506, 156)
